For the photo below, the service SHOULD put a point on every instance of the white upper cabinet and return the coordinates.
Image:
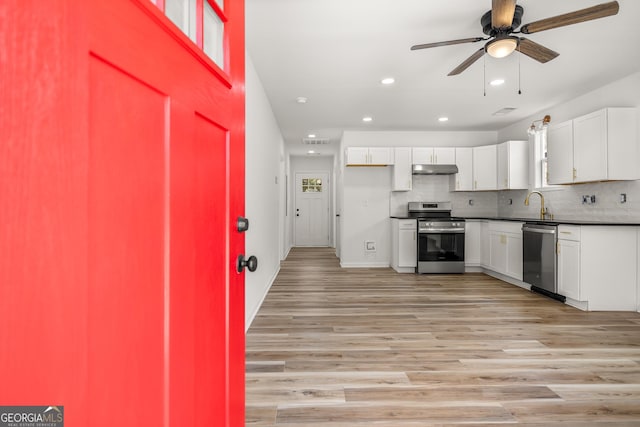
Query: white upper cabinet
(434, 156)
(600, 146)
(485, 175)
(463, 180)
(560, 153)
(590, 147)
(402, 178)
(370, 156)
(513, 165)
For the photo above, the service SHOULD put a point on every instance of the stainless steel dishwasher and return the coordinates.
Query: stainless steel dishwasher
(539, 265)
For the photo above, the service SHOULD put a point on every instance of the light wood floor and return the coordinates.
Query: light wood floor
(370, 347)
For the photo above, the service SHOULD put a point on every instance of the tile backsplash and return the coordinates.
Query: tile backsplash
(435, 188)
(564, 202)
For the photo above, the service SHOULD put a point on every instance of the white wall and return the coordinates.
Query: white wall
(566, 202)
(264, 197)
(365, 201)
(365, 217)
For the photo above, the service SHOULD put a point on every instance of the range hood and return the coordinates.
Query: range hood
(434, 169)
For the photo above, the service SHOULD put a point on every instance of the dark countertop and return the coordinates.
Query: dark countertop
(537, 221)
(557, 221)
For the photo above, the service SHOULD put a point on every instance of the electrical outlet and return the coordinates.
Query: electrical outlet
(623, 197)
(510, 201)
(470, 202)
(585, 200)
(370, 246)
(593, 198)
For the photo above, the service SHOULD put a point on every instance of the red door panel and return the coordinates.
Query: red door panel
(182, 267)
(43, 195)
(126, 248)
(120, 146)
(210, 148)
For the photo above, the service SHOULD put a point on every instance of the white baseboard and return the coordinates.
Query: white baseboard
(508, 279)
(255, 312)
(404, 269)
(580, 305)
(364, 264)
(286, 253)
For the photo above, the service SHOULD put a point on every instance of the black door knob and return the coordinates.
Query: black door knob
(251, 263)
(242, 224)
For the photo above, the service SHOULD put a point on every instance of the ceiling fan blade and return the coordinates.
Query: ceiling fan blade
(582, 15)
(502, 13)
(536, 51)
(470, 60)
(447, 43)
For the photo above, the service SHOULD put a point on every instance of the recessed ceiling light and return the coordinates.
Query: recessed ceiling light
(301, 100)
(311, 152)
(311, 135)
(388, 81)
(496, 82)
(443, 119)
(367, 119)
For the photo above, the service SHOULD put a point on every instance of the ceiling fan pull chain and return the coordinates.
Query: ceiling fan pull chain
(519, 72)
(484, 74)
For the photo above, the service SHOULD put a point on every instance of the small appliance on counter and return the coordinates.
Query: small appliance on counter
(440, 238)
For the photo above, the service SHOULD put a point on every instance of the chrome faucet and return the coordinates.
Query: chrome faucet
(543, 210)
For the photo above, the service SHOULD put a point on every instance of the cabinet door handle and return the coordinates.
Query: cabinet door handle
(575, 173)
(414, 235)
(475, 185)
(557, 247)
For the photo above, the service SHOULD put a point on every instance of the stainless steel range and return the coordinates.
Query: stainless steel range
(440, 238)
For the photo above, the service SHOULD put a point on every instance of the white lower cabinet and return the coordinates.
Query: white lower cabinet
(472, 243)
(484, 244)
(608, 269)
(404, 238)
(568, 256)
(598, 266)
(514, 255)
(505, 248)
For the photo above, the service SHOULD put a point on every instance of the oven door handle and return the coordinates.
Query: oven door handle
(442, 230)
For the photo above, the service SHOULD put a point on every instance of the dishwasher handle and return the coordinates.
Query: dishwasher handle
(540, 230)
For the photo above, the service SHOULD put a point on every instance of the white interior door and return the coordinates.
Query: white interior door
(312, 209)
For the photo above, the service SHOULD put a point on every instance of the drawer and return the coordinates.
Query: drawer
(569, 232)
(512, 227)
(407, 224)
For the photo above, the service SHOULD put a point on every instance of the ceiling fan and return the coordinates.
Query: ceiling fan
(501, 22)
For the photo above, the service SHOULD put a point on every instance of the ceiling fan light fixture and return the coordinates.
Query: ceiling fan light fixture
(501, 47)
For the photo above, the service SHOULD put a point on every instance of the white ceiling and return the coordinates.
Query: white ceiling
(335, 52)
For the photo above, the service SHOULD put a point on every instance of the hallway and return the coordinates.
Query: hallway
(360, 347)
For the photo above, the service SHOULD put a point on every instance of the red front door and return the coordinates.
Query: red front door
(121, 178)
